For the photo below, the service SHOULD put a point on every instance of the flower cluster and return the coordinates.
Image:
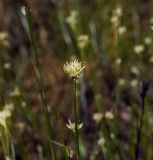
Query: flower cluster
(74, 68)
(97, 117)
(5, 114)
(71, 126)
(72, 19)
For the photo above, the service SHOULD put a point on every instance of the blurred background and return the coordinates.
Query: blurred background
(114, 39)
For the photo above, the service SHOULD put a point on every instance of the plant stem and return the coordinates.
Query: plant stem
(76, 119)
(40, 81)
(139, 130)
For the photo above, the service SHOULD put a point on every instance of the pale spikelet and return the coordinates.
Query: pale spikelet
(71, 126)
(74, 68)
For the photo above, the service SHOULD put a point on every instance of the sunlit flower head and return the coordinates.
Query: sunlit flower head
(83, 41)
(134, 83)
(151, 59)
(147, 40)
(122, 81)
(114, 20)
(97, 117)
(69, 151)
(4, 38)
(101, 141)
(118, 61)
(23, 10)
(118, 11)
(109, 115)
(74, 68)
(135, 70)
(112, 135)
(72, 19)
(122, 30)
(139, 49)
(71, 126)
(7, 65)
(5, 114)
(15, 92)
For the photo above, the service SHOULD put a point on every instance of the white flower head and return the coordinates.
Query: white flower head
(72, 19)
(23, 10)
(121, 30)
(122, 81)
(83, 41)
(151, 59)
(147, 40)
(109, 115)
(74, 68)
(118, 61)
(135, 70)
(139, 49)
(5, 114)
(69, 151)
(8, 158)
(3, 36)
(112, 135)
(97, 117)
(15, 92)
(7, 65)
(134, 83)
(71, 126)
(115, 20)
(101, 141)
(118, 11)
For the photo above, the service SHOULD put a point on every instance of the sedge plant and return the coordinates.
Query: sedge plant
(74, 69)
(145, 87)
(39, 77)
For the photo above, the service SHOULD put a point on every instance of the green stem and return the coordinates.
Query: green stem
(139, 130)
(76, 119)
(40, 81)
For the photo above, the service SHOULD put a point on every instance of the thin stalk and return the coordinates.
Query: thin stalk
(76, 119)
(40, 81)
(139, 130)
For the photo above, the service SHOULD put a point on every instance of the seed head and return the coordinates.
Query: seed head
(74, 68)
